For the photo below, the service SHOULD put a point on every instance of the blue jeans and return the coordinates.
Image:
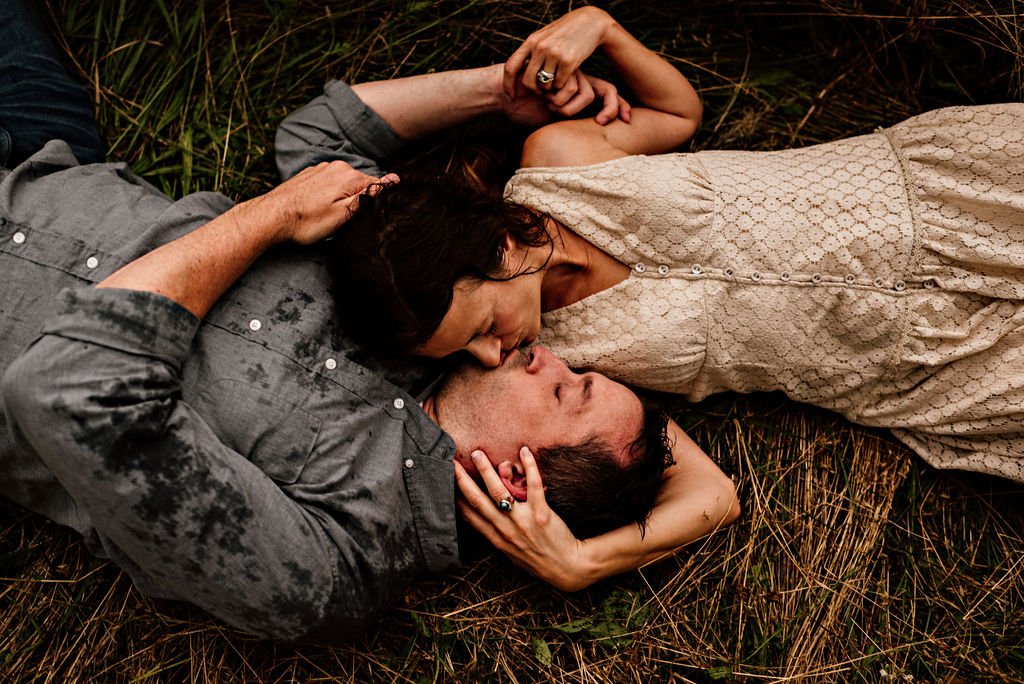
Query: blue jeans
(39, 101)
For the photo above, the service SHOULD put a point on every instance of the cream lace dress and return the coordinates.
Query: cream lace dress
(880, 276)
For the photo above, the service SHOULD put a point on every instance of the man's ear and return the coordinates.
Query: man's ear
(514, 478)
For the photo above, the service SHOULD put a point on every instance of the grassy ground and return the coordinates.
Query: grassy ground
(853, 561)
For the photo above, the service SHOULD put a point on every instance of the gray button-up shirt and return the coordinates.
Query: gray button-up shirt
(254, 463)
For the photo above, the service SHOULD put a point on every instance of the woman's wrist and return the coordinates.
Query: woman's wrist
(587, 568)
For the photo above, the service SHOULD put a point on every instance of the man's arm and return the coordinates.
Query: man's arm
(98, 397)
(196, 269)
(369, 122)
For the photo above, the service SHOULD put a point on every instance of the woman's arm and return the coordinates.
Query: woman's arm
(696, 499)
(666, 111)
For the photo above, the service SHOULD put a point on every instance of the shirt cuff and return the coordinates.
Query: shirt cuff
(371, 135)
(130, 321)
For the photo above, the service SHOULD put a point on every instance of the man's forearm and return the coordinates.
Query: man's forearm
(196, 269)
(420, 105)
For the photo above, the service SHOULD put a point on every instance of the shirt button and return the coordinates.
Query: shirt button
(697, 270)
(816, 278)
(409, 463)
(929, 284)
(399, 403)
(639, 268)
(879, 282)
(92, 262)
(663, 270)
(755, 276)
(331, 364)
(729, 272)
(850, 278)
(255, 325)
(900, 286)
(784, 275)
(18, 237)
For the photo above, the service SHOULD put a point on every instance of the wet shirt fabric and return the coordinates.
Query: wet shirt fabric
(880, 276)
(255, 463)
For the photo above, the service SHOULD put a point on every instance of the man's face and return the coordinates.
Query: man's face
(532, 399)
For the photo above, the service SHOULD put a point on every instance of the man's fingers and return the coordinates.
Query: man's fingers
(513, 67)
(611, 107)
(625, 110)
(580, 102)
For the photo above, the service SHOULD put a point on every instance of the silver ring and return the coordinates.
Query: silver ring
(545, 77)
(505, 505)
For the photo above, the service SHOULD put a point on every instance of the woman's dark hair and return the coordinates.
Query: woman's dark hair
(395, 263)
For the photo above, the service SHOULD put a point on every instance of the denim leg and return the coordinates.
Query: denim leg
(39, 101)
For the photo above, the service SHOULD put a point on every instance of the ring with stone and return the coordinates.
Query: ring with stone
(544, 77)
(505, 505)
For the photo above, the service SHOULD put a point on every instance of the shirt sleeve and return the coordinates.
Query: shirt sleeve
(336, 125)
(98, 398)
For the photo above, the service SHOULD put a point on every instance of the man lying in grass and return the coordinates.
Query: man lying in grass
(186, 403)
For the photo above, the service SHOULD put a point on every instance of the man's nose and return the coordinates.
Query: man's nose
(487, 350)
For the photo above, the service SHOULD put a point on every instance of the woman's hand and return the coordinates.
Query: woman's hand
(313, 203)
(557, 49)
(530, 534)
(579, 92)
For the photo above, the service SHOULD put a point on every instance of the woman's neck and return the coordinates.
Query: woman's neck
(576, 269)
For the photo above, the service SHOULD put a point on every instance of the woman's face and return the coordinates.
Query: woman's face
(488, 319)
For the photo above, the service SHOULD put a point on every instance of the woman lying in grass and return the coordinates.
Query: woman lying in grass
(881, 277)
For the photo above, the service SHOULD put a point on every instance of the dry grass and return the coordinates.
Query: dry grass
(852, 562)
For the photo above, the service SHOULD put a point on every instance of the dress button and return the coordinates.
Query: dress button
(879, 282)
(697, 270)
(255, 325)
(18, 237)
(850, 279)
(640, 268)
(929, 284)
(399, 403)
(784, 275)
(900, 286)
(816, 278)
(331, 364)
(663, 270)
(755, 276)
(729, 272)
(92, 262)
(409, 463)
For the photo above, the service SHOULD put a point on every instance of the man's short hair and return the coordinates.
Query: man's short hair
(593, 491)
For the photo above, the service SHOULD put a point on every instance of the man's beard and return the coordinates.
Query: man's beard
(459, 397)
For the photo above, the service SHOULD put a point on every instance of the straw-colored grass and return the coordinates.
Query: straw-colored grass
(853, 561)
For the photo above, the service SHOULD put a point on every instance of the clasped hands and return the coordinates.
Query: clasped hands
(542, 78)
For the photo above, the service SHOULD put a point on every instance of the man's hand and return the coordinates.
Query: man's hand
(197, 268)
(313, 203)
(531, 109)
